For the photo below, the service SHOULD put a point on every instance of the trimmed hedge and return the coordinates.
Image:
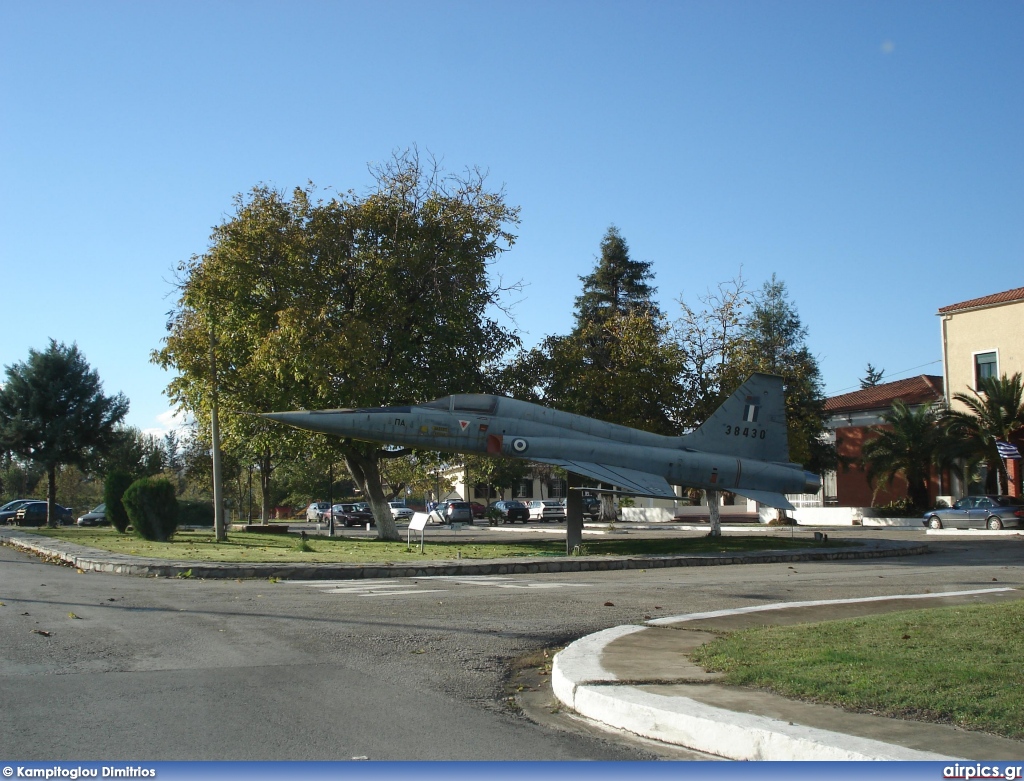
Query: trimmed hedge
(114, 486)
(152, 508)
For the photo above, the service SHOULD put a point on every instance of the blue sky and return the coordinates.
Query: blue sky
(869, 153)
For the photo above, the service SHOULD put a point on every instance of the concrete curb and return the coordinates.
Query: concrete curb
(92, 560)
(579, 681)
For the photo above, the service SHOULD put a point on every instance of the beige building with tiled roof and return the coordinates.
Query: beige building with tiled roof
(982, 337)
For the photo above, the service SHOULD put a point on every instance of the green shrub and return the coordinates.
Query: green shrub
(152, 508)
(114, 486)
(195, 513)
(899, 508)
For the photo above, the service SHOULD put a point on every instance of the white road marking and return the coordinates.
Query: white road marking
(387, 587)
(501, 581)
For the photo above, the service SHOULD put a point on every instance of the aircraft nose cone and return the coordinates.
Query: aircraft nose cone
(291, 418)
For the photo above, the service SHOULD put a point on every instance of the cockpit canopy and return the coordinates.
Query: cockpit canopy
(477, 403)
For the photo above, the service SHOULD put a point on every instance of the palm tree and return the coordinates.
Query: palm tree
(995, 411)
(910, 444)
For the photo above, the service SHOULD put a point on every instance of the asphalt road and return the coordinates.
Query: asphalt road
(133, 668)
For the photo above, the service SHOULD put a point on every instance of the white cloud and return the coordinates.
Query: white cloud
(171, 420)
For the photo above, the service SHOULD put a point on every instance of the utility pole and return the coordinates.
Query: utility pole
(218, 492)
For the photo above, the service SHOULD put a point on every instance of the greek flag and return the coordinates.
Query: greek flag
(750, 409)
(1006, 450)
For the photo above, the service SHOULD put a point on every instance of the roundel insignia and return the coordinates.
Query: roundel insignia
(519, 445)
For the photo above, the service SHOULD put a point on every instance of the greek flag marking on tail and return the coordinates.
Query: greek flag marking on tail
(751, 408)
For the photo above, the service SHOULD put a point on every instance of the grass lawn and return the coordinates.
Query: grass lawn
(956, 665)
(240, 546)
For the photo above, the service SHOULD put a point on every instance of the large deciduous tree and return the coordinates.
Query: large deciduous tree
(53, 412)
(358, 301)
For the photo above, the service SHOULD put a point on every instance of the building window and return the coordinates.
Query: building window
(557, 488)
(524, 489)
(984, 367)
(482, 491)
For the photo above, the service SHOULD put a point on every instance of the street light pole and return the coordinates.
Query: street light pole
(218, 492)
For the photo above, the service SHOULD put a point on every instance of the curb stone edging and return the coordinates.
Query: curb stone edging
(93, 560)
(580, 681)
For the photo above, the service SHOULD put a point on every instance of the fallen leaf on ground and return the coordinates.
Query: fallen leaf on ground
(42, 632)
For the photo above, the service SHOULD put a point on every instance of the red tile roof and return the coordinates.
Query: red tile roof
(1017, 294)
(923, 389)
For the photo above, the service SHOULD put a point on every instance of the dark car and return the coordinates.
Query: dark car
(591, 506)
(478, 509)
(454, 512)
(34, 514)
(979, 512)
(96, 516)
(510, 511)
(9, 510)
(349, 515)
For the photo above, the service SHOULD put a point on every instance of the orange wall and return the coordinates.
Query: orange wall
(852, 486)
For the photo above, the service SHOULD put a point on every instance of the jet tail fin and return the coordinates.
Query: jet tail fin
(750, 424)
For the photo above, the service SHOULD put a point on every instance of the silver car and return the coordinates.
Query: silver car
(546, 510)
(455, 512)
(400, 512)
(316, 510)
(979, 512)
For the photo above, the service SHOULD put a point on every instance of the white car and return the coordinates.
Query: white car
(546, 510)
(315, 511)
(400, 512)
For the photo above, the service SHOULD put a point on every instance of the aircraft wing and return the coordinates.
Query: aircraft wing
(629, 481)
(765, 497)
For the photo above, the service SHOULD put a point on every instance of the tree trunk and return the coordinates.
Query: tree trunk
(266, 469)
(714, 514)
(51, 495)
(608, 513)
(365, 470)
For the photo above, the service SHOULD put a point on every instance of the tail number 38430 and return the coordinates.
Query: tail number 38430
(751, 433)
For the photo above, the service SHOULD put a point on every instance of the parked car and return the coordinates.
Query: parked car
(979, 512)
(454, 512)
(546, 510)
(591, 506)
(510, 511)
(349, 515)
(400, 512)
(478, 509)
(34, 514)
(9, 510)
(95, 517)
(316, 510)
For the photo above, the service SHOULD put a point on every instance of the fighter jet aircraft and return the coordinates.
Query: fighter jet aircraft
(742, 447)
